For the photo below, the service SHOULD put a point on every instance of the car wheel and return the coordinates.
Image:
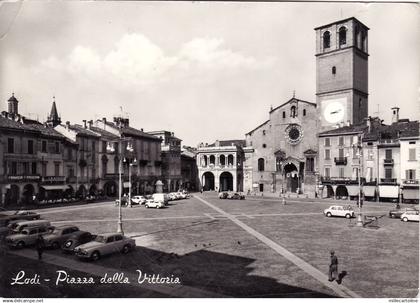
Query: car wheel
(95, 256)
(328, 214)
(55, 245)
(147, 206)
(348, 216)
(405, 219)
(126, 249)
(392, 216)
(20, 244)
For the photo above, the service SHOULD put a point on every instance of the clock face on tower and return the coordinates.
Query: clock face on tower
(334, 110)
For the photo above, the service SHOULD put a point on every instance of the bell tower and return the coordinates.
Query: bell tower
(12, 105)
(342, 73)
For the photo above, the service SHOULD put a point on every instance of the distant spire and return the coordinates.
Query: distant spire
(54, 119)
(294, 93)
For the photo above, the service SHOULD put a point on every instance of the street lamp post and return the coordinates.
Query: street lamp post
(130, 164)
(358, 145)
(112, 149)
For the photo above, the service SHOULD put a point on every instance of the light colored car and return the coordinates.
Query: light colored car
(154, 204)
(172, 196)
(105, 244)
(59, 235)
(339, 211)
(27, 236)
(410, 215)
(138, 200)
(19, 226)
(163, 198)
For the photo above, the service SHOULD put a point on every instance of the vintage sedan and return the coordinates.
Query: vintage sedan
(397, 212)
(78, 238)
(105, 244)
(154, 204)
(27, 236)
(339, 211)
(410, 215)
(140, 200)
(59, 235)
(7, 216)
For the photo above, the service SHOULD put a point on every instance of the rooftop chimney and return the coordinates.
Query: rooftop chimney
(67, 125)
(217, 143)
(369, 123)
(348, 123)
(395, 114)
(84, 123)
(90, 122)
(341, 123)
(141, 129)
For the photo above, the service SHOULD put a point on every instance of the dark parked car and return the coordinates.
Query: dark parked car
(397, 212)
(78, 238)
(7, 216)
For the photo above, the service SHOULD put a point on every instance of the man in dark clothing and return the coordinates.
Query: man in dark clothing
(333, 272)
(40, 246)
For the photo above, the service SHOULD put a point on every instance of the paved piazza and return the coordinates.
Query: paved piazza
(232, 248)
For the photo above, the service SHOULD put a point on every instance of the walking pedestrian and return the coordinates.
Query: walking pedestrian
(40, 246)
(333, 271)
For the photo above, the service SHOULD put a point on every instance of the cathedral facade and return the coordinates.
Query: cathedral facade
(284, 150)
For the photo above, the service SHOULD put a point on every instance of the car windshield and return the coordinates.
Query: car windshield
(101, 239)
(56, 231)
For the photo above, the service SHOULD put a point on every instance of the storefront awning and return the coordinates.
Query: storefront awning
(410, 193)
(369, 191)
(55, 187)
(388, 191)
(353, 190)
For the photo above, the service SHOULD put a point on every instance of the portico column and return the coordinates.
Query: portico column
(235, 185)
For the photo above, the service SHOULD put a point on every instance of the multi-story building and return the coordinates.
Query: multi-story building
(171, 160)
(142, 153)
(189, 170)
(381, 153)
(220, 165)
(86, 179)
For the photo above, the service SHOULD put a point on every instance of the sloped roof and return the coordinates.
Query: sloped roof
(133, 132)
(45, 130)
(352, 129)
(80, 130)
(104, 134)
(240, 143)
(293, 99)
(11, 124)
(250, 132)
(402, 128)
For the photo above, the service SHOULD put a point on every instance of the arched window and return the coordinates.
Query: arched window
(261, 164)
(284, 115)
(230, 159)
(293, 111)
(357, 37)
(304, 112)
(333, 70)
(204, 161)
(342, 36)
(212, 159)
(326, 39)
(222, 160)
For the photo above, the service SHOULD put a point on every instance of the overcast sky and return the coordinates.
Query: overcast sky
(205, 71)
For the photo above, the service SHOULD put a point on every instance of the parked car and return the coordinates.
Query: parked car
(149, 198)
(77, 238)
(155, 204)
(19, 226)
(26, 237)
(7, 216)
(105, 244)
(140, 200)
(396, 213)
(172, 196)
(160, 198)
(59, 235)
(236, 196)
(410, 215)
(339, 211)
(223, 195)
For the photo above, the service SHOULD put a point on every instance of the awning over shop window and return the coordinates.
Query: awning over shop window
(388, 191)
(369, 191)
(55, 187)
(410, 193)
(353, 190)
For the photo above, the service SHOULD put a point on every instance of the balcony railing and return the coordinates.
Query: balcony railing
(53, 179)
(410, 181)
(388, 180)
(388, 162)
(340, 160)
